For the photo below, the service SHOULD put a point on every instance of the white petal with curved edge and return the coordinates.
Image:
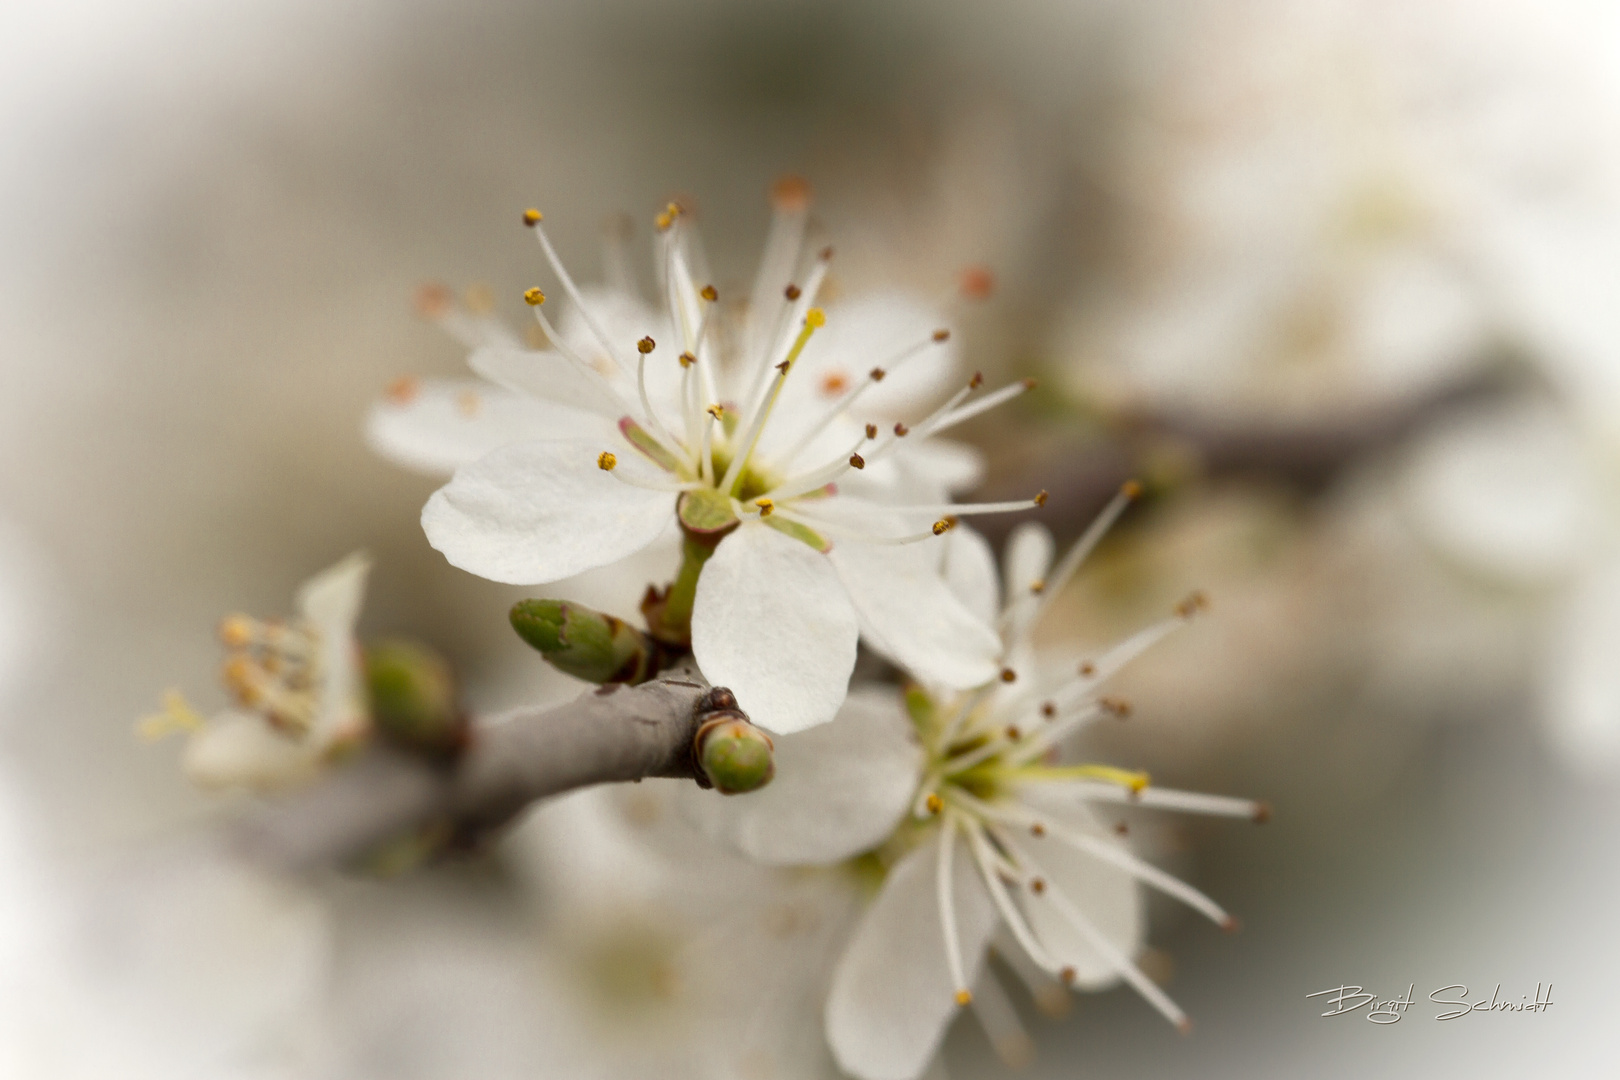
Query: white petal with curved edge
(332, 599)
(1028, 557)
(839, 790)
(238, 749)
(771, 622)
(555, 384)
(891, 997)
(1106, 895)
(448, 423)
(1580, 691)
(910, 615)
(970, 571)
(1505, 489)
(537, 512)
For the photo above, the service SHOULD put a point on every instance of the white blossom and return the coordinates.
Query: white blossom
(769, 436)
(982, 835)
(300, 694)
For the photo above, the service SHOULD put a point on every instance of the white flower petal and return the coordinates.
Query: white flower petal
(839, 790)
(1028, 557)
(547, 378)
(891, 997)
(540, 511)
(332, 599)
(1504, 489)
(970, 571)
(771, 622)
(952, 466)
(238, 749)
(1581, 678)
(1106, 895)
(910, 615)
(448, 423)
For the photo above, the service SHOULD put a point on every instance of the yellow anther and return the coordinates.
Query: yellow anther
(1131, 489)
(687, 359)
(1068, 975)
(1036, 829)
(900, 430)
(1037, 586)
(241, 678)
(876, 374)
(1087, 668)
(871, 431)
(857, 462)
(1262, 813)
(177, 715)
(825, 254)
(792, 292)
(1116, 705)
(716, 411)
(1037, 885)
(964, 997)
(533, 297)
(1049, 709)
(815, 317)
(944, 525)
(663, 221)
(1013, 733)
(531, 217)
(236, 631)
(673, 209)
(765, 507)
(646, 345)
(1041, 496)
(977, 380)
(1009, 675)
(934, 803)
(1028, 384)
(709, 293)
(791, 194)
(942, 335)
(605, 461)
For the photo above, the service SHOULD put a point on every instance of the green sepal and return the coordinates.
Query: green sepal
(641, 440)
(802, 533)
(413, 696)
(585, 643)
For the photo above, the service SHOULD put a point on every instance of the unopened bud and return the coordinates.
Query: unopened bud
(735, 756)
(584, 643)
(413, 697)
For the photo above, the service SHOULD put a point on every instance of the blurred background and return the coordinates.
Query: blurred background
(1337, 278)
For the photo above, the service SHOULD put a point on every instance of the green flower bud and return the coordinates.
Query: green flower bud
(413, 696)
(586, 644)
(734, 755)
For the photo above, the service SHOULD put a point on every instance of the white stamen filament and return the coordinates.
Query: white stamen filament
(573, 294)
(995, 1012)
(1045, 738)
(584, 366)
(1191, 802)
(795, 486)
(841, 406)
(1104, 851)
(1078, 552)
(984, 404)
(782, 245)
(1016, 923)
(1105, 948)
(945, 895)
(664, 436)
(756, 423)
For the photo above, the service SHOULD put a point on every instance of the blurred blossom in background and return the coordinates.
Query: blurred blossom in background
(1337, 279)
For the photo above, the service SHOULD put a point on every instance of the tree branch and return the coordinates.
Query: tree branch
(615, 733)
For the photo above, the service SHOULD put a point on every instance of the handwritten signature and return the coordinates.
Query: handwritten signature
(1347, 999)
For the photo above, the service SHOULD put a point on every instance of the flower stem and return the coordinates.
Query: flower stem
(669, 613)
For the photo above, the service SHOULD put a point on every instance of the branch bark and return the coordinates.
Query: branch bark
(612, 734)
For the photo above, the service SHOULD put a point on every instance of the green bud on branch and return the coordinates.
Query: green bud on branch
(732, 754)
(413, 697)
(587, 644)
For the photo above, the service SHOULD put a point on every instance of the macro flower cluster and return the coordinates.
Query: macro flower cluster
(773, 474)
